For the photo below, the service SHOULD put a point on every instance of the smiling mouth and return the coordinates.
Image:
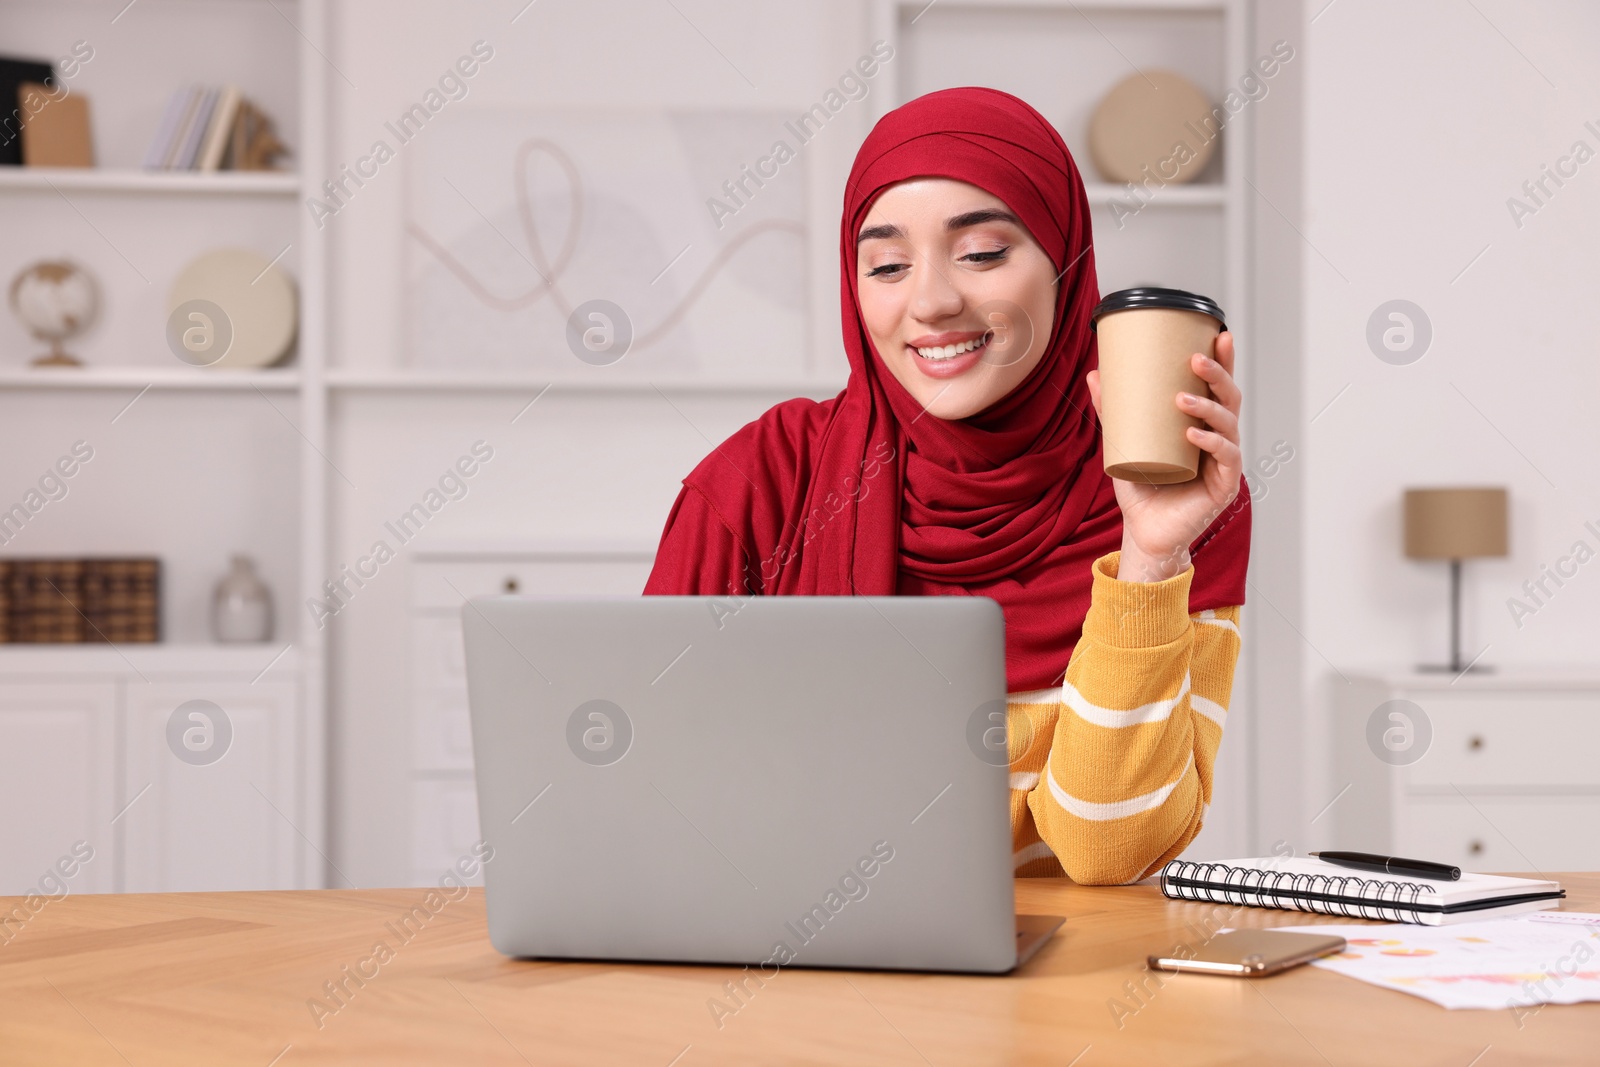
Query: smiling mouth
(943, 352)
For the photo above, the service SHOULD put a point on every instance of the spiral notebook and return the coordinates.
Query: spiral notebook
(1297, 884)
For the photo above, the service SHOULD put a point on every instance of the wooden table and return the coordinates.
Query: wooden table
(230, 978)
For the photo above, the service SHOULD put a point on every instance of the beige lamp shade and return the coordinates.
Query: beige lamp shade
(1455, 523)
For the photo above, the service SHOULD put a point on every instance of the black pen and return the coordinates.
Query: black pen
(1366, 861)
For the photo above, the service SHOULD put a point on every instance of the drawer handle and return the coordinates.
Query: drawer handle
(1476, 848)
(511, 584)
(1475, 742)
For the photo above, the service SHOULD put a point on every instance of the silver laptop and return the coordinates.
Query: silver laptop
(773, 781)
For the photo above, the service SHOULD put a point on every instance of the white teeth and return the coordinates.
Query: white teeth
(951, 351)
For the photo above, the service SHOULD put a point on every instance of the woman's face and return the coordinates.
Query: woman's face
(957, 296)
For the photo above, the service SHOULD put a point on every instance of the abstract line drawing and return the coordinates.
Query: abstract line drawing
(574, 218)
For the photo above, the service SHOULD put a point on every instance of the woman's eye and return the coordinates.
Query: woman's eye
(888, 270)
(985, 257)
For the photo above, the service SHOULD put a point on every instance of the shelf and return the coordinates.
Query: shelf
(1519, 676)
(1210, 194)
(470, 382)
(246, 662)
(498, 549)
(1091, 5)
(177, 377)
(94, 179)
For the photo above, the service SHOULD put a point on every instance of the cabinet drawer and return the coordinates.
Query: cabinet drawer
(445, 827)
(438, 657)
(442, 585)
(1531, 740)
(1502, 833)
(441, 730)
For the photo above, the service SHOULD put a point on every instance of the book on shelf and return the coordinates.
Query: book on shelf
(211, 129)
(15, 72)
(121, 600)
(255, 144)
(55, 130)
(43, 598)
(155, 158)
(221, 129)
(80, 601)
(193, 97)
(189, 148)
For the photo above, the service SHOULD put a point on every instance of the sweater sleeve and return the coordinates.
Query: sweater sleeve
(1116, 771)
(699, 555)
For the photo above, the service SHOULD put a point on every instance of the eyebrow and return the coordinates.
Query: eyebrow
(953, 223)
(975, 218)
(880, 233)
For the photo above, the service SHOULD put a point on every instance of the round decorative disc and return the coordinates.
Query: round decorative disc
(256, 298)
(1155, 119)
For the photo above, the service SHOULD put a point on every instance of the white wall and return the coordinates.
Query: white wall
(1270, 676)
(1421, 120)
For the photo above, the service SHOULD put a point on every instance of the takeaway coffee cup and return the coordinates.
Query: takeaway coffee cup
(1146, 339)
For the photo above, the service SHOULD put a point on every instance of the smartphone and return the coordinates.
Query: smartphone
(1252, 953)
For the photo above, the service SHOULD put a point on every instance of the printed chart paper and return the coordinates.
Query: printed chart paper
(1547, 958)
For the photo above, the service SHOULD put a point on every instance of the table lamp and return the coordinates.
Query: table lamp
(1455, 524)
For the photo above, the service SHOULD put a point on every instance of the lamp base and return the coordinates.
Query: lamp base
(1445, 668)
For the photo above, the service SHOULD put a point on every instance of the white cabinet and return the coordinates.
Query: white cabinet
(444, 805)
(1493, 772)
(445, 824)
(169, 762)
(217, 805)
(57, 785)
(441, 734)
(1505, 833)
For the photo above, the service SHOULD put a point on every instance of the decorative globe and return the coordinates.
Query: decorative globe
(55, 300)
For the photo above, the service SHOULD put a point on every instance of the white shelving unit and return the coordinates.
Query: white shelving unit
(170, 434)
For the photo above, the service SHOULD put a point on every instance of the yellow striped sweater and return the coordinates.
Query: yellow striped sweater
(1111, 773)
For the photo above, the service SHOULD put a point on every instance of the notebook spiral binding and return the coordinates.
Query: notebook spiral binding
(1326, 894)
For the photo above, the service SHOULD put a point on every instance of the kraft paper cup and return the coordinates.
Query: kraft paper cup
(1146, 339)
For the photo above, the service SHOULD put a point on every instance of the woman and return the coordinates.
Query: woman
(962, 459)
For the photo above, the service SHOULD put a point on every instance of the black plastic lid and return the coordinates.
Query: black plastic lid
(1150, 297)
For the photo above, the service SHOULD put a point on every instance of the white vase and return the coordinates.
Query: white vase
(241, 608)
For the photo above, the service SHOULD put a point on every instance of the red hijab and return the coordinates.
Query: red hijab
(866, 494)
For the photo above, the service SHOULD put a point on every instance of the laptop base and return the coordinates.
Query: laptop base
(1032, 932)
